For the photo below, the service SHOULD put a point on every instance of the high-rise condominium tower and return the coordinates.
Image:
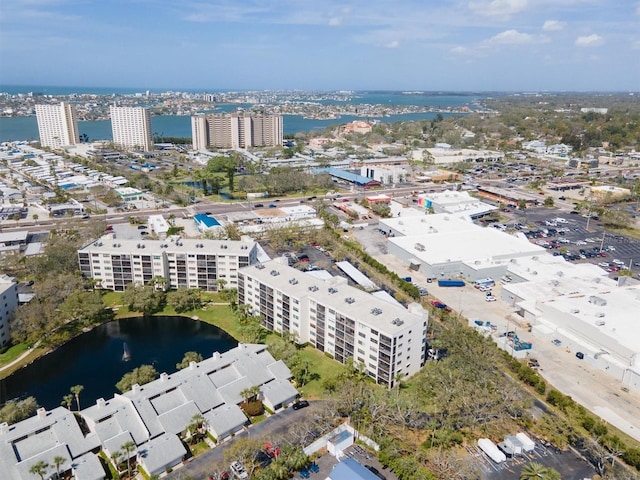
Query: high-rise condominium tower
(131, 127)
(57, 125)
(232, 130)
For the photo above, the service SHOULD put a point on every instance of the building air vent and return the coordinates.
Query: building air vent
(419, 247)
(376, 311)
(349, 300)
(597, 301)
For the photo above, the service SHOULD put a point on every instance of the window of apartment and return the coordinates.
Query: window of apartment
(374, 341)
(332, 312)
(361, 351)
(374, 332)
(373, 357)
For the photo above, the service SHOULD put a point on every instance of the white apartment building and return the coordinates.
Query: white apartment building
(8, 305)
(387, 340)
(131, 127)
(236, 130)
(57, 125)
(182, 263)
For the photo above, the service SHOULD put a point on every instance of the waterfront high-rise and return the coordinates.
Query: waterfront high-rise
(236, 130)
(131, 127)
(57, 125)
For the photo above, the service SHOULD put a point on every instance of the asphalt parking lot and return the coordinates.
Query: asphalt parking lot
(578, 237)
(568, 463)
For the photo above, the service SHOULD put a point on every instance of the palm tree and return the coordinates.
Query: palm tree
(67, 400)
(115, 457)
(128, 447)
(537, 471)
(75, 390)
(249, 393)
(39, 468)
(57, 461)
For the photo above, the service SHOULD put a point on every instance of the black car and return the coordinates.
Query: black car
(258, 205)
(300, 404)
(580, 355)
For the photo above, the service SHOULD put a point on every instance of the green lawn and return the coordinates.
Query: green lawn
(224, 318)
(13, 353)
(324, 366)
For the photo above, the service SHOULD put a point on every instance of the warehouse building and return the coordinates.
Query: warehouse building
(582, 307)
(446, 246)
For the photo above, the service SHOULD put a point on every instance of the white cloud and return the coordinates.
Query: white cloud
(498, 8)
(553, 26)
(460, 50)
(335, 21)
(592, 40)
(393, 44)
(514, 37)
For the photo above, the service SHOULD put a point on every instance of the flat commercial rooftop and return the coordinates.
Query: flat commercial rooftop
(466, 246)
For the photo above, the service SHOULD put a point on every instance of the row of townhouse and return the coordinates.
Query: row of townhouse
(153, 417)
(387, 340)
(182, 263)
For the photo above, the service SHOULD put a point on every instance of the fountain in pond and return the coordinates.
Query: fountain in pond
(126, 354)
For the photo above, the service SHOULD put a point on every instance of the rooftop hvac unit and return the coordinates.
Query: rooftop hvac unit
(376, 311)
(293, 281)
(600, 314)
(349, 300)
(534, 257)
(332, 290)
(397, 321)
(259, 266)
(313, 288)
(597, 301)
(274, 273)
(574, 310)
(419, 247)
(560, 273)
(600, 323)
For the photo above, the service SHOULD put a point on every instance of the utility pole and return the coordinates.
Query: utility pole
(602, 242)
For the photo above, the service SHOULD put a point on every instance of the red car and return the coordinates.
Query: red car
(271, 450)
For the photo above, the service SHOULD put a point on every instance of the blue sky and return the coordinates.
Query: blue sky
(514, 45)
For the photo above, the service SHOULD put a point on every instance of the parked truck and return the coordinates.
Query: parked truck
(450, 283)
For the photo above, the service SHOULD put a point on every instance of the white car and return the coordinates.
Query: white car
(238, 470)
(604, 264)
(490, 299)
(617, 261)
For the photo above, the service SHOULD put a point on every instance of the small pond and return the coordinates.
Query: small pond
(98, 359)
